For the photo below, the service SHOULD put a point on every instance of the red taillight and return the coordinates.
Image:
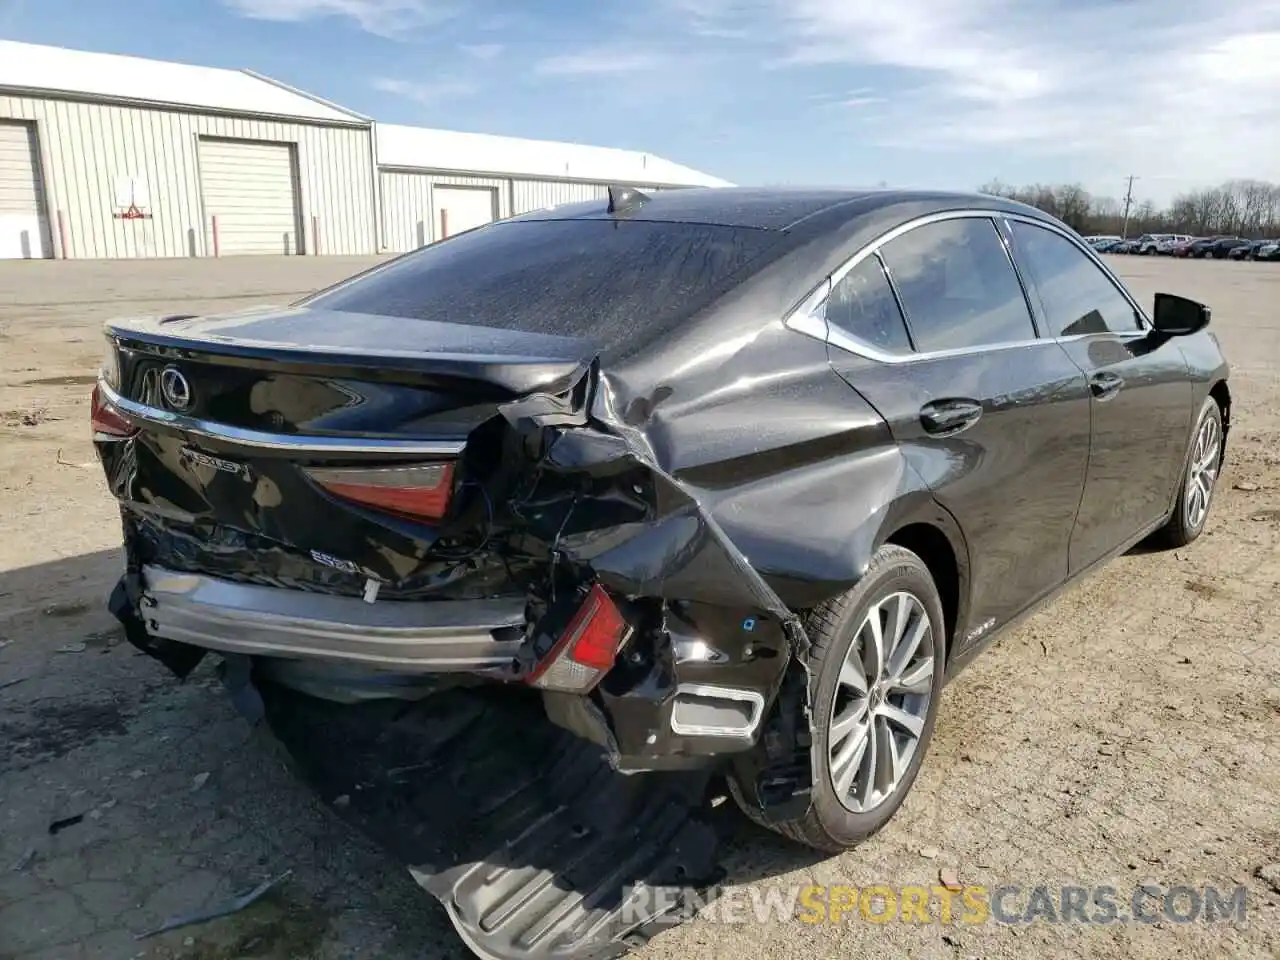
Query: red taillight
(420, 491)
(586, 650)
(106, 419)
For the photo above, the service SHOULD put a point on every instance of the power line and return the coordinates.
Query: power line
(1128, 201)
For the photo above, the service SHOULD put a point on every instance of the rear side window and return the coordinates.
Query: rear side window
(862, 305)
(957, 285)
(1077, 297)
(620, 283)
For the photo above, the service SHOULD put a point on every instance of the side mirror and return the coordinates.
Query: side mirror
(1177, 316)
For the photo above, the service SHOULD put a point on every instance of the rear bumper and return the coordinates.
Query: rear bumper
(420, 637)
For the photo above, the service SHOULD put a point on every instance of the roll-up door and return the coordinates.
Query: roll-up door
(461, 208)
(250, 193)
(24, 230)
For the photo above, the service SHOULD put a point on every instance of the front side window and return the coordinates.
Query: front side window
(863, 306)
(1078, 298)
(957, 285)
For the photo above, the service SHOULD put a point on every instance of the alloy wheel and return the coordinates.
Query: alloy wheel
(1202, 473)
(881, 702)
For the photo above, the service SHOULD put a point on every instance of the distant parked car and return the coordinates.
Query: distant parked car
(1203, 247)
(1148, 243)
(1222, 247)
(1103, 244)
(1186, 248)
(1125, 246)
(1268, 251)
(1249, 251)
(1165, 247)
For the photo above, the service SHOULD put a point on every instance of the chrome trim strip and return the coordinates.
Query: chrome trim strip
(845, 342)
(428, 636)
(289, 443)
(803, 317)
(712, 692)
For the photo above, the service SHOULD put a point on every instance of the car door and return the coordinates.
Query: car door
(933, 329)
(1139, 383)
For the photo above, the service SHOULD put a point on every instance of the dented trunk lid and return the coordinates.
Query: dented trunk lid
(240, 413)
(307, 370)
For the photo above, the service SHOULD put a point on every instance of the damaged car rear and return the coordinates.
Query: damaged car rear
(534, 533)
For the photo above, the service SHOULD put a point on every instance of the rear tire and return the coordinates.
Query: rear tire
(893, 715)
(1199, 479)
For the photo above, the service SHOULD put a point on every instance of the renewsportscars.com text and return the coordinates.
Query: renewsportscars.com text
(969, 905)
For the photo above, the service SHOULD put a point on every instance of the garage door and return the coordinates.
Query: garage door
(23, 225)
(250, 193)
(461, 208)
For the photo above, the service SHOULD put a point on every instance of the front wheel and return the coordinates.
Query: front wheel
(876, 669)
(1199, 479)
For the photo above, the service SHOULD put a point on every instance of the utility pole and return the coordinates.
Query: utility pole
(1128, 201)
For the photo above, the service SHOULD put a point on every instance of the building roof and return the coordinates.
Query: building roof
(77, 73)
(38, 69)
(423, 148)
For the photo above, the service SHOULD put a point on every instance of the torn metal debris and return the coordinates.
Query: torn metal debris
(235, 905)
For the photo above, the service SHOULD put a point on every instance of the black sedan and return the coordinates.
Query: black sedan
(1222, 247)
(726, 483)
(1205, 247)
(1248, 250)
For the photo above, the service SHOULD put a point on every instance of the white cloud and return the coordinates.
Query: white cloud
(1181, 92)
(847, 100)
(482, 51)
(387, 18)
(427, 94)
(600, 61)
(720, 19)
(950, 40)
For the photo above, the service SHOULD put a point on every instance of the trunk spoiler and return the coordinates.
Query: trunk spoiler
(335, 343)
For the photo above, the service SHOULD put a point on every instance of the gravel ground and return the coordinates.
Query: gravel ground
(1127, 734)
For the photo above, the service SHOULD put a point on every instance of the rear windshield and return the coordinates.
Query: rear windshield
(621, 283)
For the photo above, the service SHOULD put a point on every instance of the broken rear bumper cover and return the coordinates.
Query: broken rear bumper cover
(439, 637)
(693, 703)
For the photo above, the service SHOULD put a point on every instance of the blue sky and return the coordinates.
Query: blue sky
(860, 92)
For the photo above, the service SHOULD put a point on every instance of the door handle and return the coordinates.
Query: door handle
(1105, 385)
(947, 417)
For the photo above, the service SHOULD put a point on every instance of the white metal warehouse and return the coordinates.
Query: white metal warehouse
(108, 156)
(438, 182)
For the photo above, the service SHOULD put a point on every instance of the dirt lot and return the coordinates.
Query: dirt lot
(1129, 733)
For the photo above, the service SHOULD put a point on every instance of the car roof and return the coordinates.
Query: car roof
(774, 208)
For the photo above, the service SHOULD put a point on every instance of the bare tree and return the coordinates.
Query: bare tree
(1073, 205)
(997, 188)
(1249, 208)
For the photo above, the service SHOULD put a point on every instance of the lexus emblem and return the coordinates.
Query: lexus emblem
(175, 389)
